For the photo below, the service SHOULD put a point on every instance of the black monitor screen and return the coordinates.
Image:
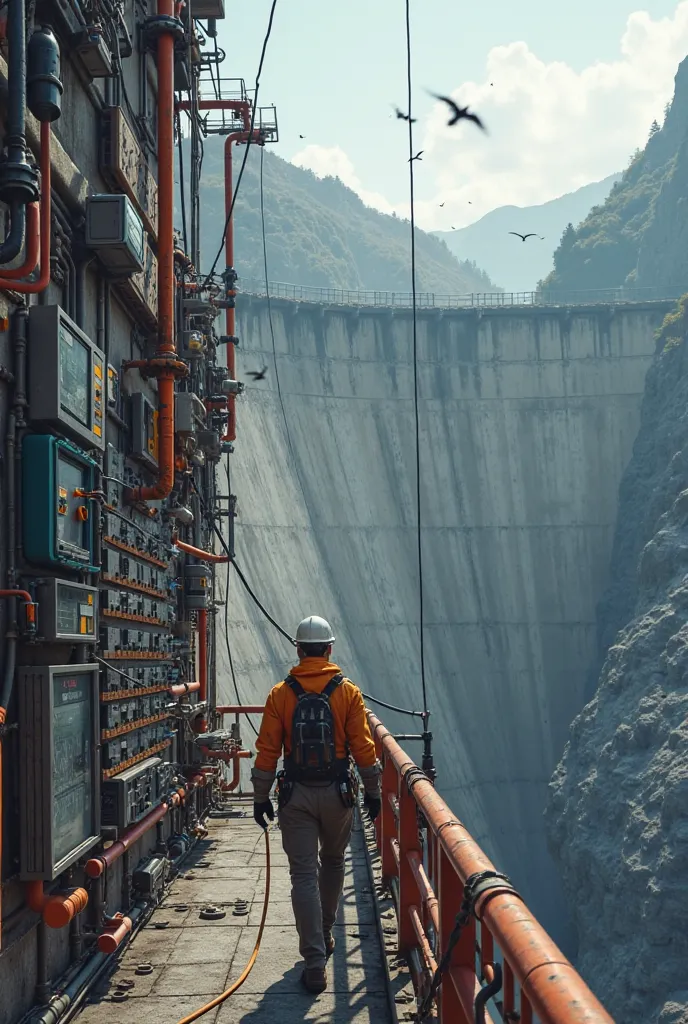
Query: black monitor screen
(75, 377)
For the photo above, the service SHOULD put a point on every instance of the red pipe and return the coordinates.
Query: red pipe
(33, 235)
(115, 934)
(202, 630)
(97, 865)
(430, 903)
(242, 106)
(205, 556)
(229, 787)
(230, 318)
(24, 594)
(7, 283)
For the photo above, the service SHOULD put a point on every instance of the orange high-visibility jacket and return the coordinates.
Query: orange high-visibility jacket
(348, 711)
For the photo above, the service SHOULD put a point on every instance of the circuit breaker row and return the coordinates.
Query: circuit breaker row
(128, 571)
(120, 751)
(132, 793)
(133, 606)
(129, 537)
(147, 678)
(117, 714)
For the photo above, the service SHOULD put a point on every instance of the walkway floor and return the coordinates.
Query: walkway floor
(192, 959)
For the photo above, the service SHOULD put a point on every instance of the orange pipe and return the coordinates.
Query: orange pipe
(112, 937)
(33, 287)
(24, 594)
(205, 556)
(430, 903)
(555, 991)
(58, 909)
(166, 279)
(180, 689)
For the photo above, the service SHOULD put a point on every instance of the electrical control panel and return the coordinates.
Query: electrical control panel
(59, 767)
(57, 515)
(66, 377)
(144, 431)
(130, 795)
(67, 611)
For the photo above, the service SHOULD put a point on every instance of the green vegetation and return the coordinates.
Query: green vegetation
(674, 329)
(635, 238)
(320, 233)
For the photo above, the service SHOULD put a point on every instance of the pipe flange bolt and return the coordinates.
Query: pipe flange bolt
(158, 25)
(18, 183)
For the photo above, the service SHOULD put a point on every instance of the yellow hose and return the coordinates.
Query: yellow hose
(218, 1000)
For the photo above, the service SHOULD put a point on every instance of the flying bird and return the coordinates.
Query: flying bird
(470, 202)
(459, 113)
(401, 116)
(416, 157)
(302, 136)
(258, 375)
(531, 234)
(453, 228)
(441, 204)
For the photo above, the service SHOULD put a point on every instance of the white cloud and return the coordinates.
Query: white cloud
(551, 128)
(332, 161)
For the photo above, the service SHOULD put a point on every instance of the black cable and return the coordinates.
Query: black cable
(415, 354)
(272, 329)
(393, 707)
(229, 649)
(254, 110)
(182, 189)
(118, 671)
(232, 561)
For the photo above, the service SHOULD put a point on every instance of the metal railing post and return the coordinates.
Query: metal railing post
(408, 842)
(388, 825)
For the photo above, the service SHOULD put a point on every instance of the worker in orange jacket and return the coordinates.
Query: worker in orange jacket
(317, 717)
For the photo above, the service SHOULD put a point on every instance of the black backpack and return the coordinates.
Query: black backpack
(313, 752)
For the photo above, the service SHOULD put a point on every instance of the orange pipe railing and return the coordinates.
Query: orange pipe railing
(240, 709)
(8, 282)
(550, 988)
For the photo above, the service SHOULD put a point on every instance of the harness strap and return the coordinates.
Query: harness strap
(298, 690)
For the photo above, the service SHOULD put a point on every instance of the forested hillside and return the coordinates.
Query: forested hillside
(637, 237)
(320, 233)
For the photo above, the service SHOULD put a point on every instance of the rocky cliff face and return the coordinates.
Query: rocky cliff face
(618, 813)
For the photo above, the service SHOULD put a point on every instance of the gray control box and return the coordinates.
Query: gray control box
(66, 377)
(67, 611)
(115, 231)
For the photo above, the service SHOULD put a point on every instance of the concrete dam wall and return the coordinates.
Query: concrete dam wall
(527, 420)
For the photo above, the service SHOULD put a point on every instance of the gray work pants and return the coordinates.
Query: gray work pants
(315, 819)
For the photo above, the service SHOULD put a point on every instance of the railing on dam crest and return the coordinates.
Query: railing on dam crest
(461, 923)
(433, 300)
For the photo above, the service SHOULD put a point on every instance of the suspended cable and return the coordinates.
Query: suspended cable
(230, 659)
(272, 328)
(393, 707)
(249, 141)
(415, 355)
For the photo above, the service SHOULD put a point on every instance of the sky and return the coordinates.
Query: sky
(567, 93)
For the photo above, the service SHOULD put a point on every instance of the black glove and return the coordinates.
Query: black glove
(260, 810)
(373, 805)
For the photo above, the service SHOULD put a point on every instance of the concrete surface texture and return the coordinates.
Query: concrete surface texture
(179, 961)
(527, 419)
(618, 812)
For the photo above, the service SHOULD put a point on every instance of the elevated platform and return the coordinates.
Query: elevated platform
(179, 960)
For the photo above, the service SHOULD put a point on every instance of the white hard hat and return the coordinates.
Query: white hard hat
(314, 630)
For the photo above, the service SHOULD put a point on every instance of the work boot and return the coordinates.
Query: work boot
(314, 979)
(329, 944)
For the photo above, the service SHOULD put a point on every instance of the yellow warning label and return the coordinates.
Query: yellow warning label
(98, 370)
(97, 430)
(89, 599)
(83, 624)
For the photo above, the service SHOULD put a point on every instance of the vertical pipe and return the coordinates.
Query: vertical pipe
(203, 657)
(42, 980)
(230, 316)
(15, 139)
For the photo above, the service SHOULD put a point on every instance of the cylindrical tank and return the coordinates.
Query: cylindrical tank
(196, 586)
(43, 85)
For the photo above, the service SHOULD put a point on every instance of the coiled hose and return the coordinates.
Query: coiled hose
(218, 1000)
